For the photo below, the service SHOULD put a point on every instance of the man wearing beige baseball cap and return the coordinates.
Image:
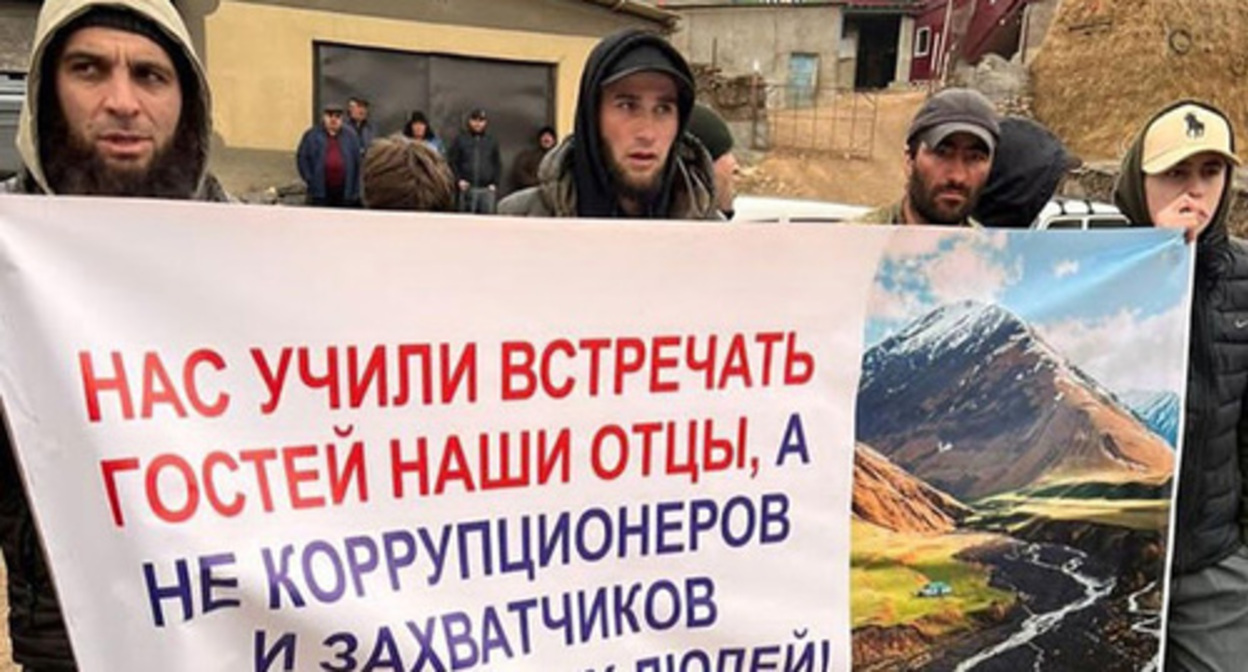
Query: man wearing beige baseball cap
(1177, 174)
(949, 150)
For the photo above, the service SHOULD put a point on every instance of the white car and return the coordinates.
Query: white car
(1059, 213)
(1077, 213)
(773, 209)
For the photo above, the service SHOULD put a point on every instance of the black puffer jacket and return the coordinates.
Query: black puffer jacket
(1215, 428)
(35, 623)
(1216, 433)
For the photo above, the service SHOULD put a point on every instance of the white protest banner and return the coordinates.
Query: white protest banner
(294, 439)
(290, 439)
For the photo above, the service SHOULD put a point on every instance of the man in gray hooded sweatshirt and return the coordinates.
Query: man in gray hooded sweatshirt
(116, 105)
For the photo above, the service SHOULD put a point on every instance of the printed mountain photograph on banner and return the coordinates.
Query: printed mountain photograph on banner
(1010, 506)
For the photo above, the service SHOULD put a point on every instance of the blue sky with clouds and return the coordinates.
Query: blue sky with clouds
(1101, 298)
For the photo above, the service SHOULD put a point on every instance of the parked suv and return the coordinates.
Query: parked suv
(12, 91)
(1078, 213)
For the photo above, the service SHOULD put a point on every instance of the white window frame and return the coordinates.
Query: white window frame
(923, 42)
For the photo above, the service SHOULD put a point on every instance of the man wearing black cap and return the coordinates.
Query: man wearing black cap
(477, 164)
(329, 161)
(949, 150)
(629, 155)
(116, 105)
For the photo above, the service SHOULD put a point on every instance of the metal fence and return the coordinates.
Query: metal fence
(798, 118)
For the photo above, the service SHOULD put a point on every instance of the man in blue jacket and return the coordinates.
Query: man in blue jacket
(329, 161)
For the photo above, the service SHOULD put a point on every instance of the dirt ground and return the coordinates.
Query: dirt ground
(833, 177)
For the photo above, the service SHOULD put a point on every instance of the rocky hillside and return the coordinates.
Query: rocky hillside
(885, 495)
(970, 400)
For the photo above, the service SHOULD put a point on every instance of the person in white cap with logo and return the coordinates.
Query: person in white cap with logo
(1177, 174)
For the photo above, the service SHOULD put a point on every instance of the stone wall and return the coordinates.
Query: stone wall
(1095, 181)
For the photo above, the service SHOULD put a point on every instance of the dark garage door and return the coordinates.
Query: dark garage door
(518, 96)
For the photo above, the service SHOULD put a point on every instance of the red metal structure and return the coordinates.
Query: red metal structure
(948, 30)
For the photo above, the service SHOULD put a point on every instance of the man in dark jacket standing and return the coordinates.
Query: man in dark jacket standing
(524, 167)
(629, 155)
(329, 161)
(117, 105)
(357, 119)
(475, 159)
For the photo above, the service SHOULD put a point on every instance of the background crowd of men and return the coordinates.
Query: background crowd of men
(331, 155)
(118, 105)
(632, 80)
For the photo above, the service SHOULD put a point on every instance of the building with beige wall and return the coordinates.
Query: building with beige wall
(818, 46)
(796, 44)
(271, 64)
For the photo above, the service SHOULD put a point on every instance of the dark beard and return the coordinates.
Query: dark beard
(644, 195)
(924, 204)
(74, 168)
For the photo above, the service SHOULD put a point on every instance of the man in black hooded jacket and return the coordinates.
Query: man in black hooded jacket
(629, 155)
(1027, 170)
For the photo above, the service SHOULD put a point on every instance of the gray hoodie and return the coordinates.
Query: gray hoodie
(57, 14)
(40, 641)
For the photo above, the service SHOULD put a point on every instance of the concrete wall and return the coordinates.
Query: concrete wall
(1037, 18)
(847, 56)
(17, 31)
(736, 38)
(259, 55)
(905, 51)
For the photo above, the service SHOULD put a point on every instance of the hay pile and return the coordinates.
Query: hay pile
(1107, 65)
